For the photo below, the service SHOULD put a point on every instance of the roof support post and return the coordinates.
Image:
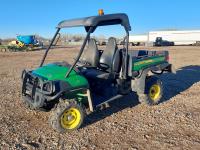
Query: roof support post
(125, 72)
(45, 55)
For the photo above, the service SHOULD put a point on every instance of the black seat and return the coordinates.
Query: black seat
(109, 62)
(106, 59)
(90, 56)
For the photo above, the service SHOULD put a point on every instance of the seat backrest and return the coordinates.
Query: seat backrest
(108, 54)
(117, 62)
(91, 54)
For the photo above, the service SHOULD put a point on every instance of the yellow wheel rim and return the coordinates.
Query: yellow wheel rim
(70, 118)
(154, 92)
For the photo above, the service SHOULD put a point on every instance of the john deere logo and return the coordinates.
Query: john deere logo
(144, 62)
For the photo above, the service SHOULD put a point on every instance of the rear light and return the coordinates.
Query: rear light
(167, 57)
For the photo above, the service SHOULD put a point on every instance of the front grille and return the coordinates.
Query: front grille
(30, 84)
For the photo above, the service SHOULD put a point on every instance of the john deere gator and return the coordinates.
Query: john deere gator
(95, 78)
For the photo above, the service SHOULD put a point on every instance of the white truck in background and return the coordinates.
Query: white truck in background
(184, 37)
(187, 37)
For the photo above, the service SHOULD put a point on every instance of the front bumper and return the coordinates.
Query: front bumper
(33, 90)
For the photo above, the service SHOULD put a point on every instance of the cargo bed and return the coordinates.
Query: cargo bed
(142, 59)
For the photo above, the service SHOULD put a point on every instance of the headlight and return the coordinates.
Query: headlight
(48, 87)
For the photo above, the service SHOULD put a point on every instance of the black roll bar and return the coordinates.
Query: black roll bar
(52, 41)
(126, 55)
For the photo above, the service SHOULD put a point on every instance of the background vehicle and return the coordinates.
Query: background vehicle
(160, 42)
(24, 42)
(95, 78)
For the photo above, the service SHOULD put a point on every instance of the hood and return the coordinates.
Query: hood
(52, 71)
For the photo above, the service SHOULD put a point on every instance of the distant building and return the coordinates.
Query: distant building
(184, 37)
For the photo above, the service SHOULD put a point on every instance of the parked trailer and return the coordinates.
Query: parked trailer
(138, 39)
(187, 37)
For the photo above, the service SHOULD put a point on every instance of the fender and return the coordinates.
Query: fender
(138, 83)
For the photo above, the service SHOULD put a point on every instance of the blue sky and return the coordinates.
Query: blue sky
(41, 16)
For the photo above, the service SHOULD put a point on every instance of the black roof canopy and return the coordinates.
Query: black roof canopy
(94, 21)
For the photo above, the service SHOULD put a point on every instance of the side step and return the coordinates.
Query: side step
(109, 100)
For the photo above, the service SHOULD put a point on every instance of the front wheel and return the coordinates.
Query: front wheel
(153, 91)
(68, 115)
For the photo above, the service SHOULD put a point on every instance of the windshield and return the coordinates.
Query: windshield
(66, 46)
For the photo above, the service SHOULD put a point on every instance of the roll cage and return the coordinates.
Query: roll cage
(90, 24)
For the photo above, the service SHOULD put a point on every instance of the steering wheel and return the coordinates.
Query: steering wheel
(82, 64)
(104, 66)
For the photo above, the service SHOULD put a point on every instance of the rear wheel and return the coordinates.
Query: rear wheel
(153, 91)
(68, 115)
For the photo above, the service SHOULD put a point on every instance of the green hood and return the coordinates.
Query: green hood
(55, 71)
(52, 72)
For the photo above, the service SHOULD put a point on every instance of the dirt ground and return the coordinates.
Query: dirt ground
(173, 124)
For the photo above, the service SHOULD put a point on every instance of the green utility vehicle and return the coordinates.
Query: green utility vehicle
(95, 78)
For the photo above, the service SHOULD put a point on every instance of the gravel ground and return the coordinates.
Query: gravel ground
(126, 124)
